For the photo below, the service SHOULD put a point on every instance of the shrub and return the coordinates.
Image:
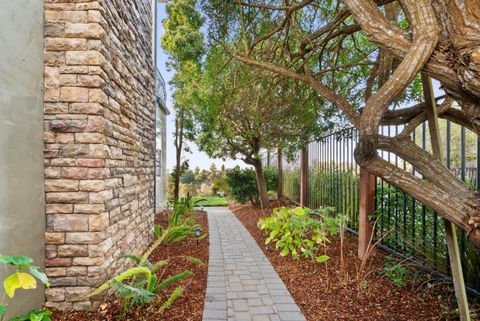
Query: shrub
(242, 183)
(295, 232)
(220, 185)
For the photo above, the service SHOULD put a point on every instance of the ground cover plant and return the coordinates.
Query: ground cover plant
(341, 298)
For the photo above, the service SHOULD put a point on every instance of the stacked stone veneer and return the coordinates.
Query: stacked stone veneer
(99, 142)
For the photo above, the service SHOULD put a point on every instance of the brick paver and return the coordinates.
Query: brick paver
(242, 284)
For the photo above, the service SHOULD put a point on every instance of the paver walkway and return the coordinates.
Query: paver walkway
(242, 284)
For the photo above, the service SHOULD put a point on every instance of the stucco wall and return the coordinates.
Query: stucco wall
(22, 214)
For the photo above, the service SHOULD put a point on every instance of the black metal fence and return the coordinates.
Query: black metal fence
(403, 223)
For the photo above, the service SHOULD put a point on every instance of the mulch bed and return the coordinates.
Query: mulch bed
(323, 292)
(189, 307)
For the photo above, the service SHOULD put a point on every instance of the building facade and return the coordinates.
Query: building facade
(78, 140)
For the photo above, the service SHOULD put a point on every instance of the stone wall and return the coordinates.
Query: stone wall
(99, 142)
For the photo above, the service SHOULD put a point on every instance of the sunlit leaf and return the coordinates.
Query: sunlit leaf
(18, 280)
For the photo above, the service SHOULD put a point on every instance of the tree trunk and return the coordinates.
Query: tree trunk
(176, 189)
(261, 184)
(179, 121)
(279, 174)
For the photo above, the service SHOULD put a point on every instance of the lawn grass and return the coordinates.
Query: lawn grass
(211, 201)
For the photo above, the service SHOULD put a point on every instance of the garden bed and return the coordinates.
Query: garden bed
(189, 307)
(324, 292)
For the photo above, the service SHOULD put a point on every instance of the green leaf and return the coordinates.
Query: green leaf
(16, 260)
(178, 277)
(34, 315)
(2, 309)
(39, 275)
(195, 261)
(322, 258)
(18, 280)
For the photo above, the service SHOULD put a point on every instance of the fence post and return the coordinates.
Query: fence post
(450, 228)
(367, 207)
(303, 176)
(268, 158)
(279, 174)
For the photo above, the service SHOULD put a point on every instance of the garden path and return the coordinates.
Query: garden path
(242, 284)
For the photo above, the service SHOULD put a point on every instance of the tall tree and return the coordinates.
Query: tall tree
(374, 50)
(242, 111)
(184, 43)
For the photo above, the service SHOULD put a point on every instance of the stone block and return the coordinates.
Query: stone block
(92, 185)
(99, 222)
(90, 138)
(87, 57)
(59, 208)
(84, 30)
(56, 271)
(61, 185)
(67, 197)
(56, 16)
(86, 108)
(69, 250)
(54, 238)
(82, 238)
(74, 94)
(67, 223)
(64, 44)
(74, 172)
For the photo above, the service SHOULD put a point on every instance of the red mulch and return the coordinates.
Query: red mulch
(323, 292)
(189, 307)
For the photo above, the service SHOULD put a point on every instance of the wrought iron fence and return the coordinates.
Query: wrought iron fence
(403, 223)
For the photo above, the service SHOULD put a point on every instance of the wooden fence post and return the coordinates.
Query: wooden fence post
(450, 228)
(279, 174)
(303, 176)
(367, 207)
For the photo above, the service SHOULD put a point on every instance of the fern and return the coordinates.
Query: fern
(175, 295)
(137, 295)
(157, 231)
(157, 266)
(195, 261)
(121, 277)
(173, 279)
(136, 258)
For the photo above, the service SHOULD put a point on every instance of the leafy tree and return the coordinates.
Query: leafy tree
(184, 43)
(187, 177)
(372, 53)
(242, 111)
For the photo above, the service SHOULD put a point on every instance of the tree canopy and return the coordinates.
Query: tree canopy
(365, 57)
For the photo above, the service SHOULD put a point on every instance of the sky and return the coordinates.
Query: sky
(196, 157)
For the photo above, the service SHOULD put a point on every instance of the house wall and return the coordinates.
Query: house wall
(161, 172)
(99, 142)
(22, 215)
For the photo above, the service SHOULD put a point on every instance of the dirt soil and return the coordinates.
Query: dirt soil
(189, 307)
(326, 292)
